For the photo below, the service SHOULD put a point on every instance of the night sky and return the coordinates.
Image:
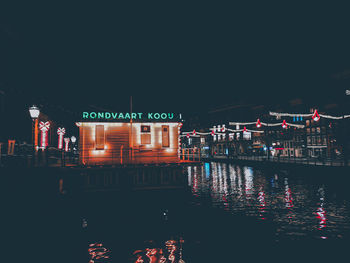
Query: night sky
(170, 57)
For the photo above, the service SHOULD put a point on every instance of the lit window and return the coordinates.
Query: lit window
(145, 134)
(99, 137)
(165, 135)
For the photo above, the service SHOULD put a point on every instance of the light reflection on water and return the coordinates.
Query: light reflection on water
(296, 207)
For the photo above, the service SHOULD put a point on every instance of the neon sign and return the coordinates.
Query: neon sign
(127, 116)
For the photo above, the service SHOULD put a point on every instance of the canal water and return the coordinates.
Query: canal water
(224, 209)
(224, 213)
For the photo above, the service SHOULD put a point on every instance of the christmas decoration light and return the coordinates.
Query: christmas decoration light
(301, 115)
(284, 124)
(44, 127)
(315, 116)
(60, 132)
(66, 141)
(258, 123)
(266, 124)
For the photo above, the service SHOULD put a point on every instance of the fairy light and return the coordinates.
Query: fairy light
(312, 115)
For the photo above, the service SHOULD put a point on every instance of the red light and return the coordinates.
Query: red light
(315, 116)
(258, 123)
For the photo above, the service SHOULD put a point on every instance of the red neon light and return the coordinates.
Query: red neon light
(279, 148)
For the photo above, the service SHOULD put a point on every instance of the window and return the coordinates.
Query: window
(318, 129)
(99, 137)
(308, 130)
(313, 140)
(318, 140)
(307, 122)
(145, 134)
(165, 135)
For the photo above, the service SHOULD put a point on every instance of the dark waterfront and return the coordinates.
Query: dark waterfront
(225, 212)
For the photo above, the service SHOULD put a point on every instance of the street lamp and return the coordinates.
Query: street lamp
(34, 114)
(73, 139)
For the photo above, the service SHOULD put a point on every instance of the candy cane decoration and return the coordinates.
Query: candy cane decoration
(60, 132)
(66, 141)
(44, 127)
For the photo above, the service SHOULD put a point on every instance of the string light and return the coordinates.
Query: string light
(315, 115)
(259, 123)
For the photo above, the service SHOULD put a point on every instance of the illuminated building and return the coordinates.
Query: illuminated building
(114, 138)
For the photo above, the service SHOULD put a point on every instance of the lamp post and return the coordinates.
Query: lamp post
(34, 114)
(73, 139)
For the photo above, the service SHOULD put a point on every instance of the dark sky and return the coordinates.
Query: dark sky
(171, 57)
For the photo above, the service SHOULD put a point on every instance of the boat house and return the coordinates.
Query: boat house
(107, 138)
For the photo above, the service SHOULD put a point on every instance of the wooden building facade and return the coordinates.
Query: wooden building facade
(115, 143)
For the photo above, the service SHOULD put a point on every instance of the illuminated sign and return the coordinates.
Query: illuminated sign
(127, 116)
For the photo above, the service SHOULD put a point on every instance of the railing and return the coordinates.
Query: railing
(55, 157)
(295, 160)
(129, 156)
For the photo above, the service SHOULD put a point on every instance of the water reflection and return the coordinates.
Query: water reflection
(98, 253)
(169, 253)
(321, 214)
(284, 199)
